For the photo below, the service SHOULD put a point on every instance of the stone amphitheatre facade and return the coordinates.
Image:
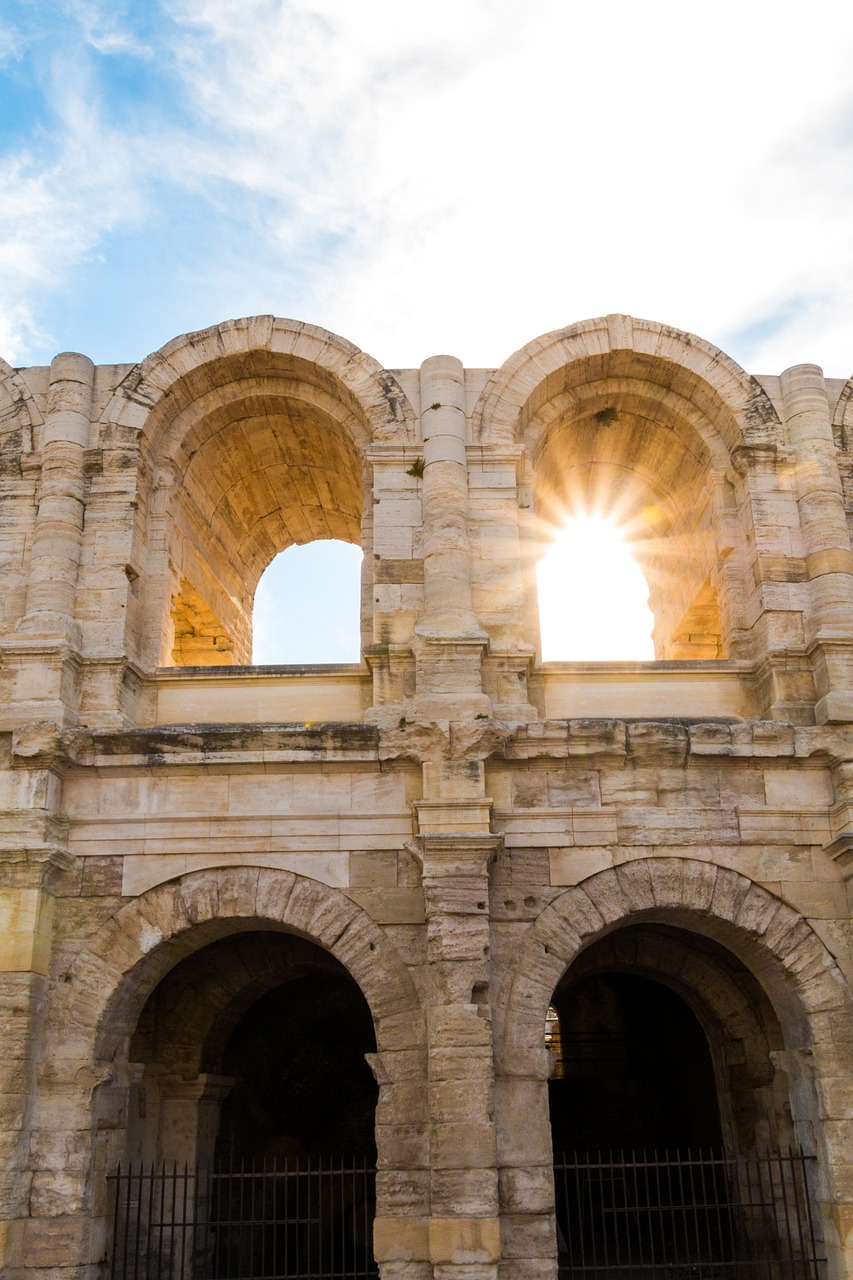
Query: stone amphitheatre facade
(437, 845)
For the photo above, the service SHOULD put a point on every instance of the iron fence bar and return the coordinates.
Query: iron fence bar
(252, 1217)
(286, 1232)
(798, 1185)
(659, 1215)
(709, 1202)
(757, 1234)
(783, 1185)
(368, 1194)
(645, 1239)
(183, 1221)
(264, 1217)
(116, 1218)
(148, 1223)
(700, 1208)
(808, 1206)
(718, 1216)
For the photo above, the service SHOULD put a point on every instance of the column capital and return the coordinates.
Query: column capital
(34, 866)
(458, 853)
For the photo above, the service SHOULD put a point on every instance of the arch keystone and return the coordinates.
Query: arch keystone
(620, 332)
(667, 878)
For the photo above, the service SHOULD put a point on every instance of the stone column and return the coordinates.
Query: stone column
(189, 1118)
(48, 634)
(449, 641)
(393, 540)
(464, 1229)
(826, 541)
(765, 575)
(61, 497)
(498, 574)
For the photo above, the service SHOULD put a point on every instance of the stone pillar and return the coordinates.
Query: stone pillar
(189, 1118)
(826, 541)
(48, 638)
(464, 1229)
(498, 576)
(27, 878)
(393, 540)
(449, 641)
(61, 498)
(765, 576)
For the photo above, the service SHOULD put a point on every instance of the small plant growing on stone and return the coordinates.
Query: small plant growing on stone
(416, 469)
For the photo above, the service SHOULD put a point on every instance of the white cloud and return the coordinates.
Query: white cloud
(56, 209)
(502, 175)
(487, 173)
(107, 27)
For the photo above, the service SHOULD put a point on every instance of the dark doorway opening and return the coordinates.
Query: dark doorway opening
(636, 1070)
(252, 1148)
(643, 1184)
(302, 1085)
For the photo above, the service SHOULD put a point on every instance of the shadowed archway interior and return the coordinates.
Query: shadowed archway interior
(254, 1048)
(636, 1069)
(301, 1082)
(667, 1040)
(263, 453)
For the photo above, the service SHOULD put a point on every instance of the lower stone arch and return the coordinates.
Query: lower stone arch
(100, 997)
(783, 953)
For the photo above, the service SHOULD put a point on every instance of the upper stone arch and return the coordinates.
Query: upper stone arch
(621, 346)
(638, 422)
(253, 437)
(161, 388)
(119, 967)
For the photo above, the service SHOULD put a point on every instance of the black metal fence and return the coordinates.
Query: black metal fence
(296, 1219)
(686, 1216)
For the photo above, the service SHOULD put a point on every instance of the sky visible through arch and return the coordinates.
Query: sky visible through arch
(454, 176)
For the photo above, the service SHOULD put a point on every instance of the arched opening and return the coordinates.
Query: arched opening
(670, 1110)
(631, 453)
(251, 1116)
(308, 606)
(256, 453)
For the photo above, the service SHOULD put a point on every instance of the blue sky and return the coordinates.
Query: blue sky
(455, 176)
(459, 176)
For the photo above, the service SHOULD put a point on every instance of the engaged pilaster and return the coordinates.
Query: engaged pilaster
(48, 634)
(449, 641)
(464, 1230)
(27, 878)
(826, 541)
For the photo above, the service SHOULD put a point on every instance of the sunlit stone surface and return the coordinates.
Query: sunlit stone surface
(216, 877)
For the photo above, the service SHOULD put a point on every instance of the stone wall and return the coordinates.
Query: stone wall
(458, 824)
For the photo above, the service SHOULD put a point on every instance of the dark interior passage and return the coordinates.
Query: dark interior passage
(254, 1082)
(279, 1030)
(636, 1069)
(301, 1082)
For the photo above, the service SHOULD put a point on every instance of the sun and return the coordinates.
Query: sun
(593, 597)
